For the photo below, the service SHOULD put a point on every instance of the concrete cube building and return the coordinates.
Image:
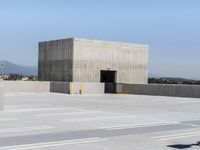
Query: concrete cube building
(82, 60)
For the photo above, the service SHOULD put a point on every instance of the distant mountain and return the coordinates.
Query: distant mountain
(8, 67)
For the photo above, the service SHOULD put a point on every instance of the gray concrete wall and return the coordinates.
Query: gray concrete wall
(192, 91)
(77, 87)
(81, 60)
(93, 88)
(55, 60)
(129, 60)
(25, 86)
(1, 98)
(60, 87)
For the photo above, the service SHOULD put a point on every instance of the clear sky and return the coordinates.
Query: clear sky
(170, 27)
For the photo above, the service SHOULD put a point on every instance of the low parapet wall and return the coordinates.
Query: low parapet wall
(25, 86)
(77, 87)
(1, 98)
(192, 91)
(60, 87)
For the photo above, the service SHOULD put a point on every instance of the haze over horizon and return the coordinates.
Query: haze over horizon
(171, 29)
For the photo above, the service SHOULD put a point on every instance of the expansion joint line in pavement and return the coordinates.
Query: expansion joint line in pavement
(52, 144)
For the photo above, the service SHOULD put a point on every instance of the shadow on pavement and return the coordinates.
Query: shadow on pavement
(184, 146)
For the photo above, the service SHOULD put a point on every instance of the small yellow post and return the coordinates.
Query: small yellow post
(82, 88)
(71, 88)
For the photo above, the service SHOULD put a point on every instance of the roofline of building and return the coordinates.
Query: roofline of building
(94, 40)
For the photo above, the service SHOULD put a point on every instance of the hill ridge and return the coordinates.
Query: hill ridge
(9, 67)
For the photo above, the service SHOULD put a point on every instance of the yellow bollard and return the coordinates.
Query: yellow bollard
(82, 88)
(71, 88)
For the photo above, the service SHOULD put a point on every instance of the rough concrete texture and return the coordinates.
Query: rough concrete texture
(77, 87)
(91, 56)
(142, 89)
(60, 87)
(192, 91)
(1, 98)
(26, 86)
(55, 60)
(81, 60)
(89, 88)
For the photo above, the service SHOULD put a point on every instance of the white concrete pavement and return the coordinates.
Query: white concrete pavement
(58, 121)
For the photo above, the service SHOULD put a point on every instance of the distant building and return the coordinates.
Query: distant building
(82, 60)
(25, 78)
(4, 76)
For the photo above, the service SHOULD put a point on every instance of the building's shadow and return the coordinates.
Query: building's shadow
(184, 146)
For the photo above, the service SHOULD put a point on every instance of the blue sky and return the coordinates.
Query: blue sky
(171, 28)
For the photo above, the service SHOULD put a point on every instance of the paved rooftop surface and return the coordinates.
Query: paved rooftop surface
(46, 121)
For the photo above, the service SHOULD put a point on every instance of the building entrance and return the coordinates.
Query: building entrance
(109, 78)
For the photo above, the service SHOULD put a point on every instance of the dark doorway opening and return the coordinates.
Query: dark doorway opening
(109, 78)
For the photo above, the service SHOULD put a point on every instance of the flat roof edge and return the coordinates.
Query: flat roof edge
(95, 40)
(110, 41)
